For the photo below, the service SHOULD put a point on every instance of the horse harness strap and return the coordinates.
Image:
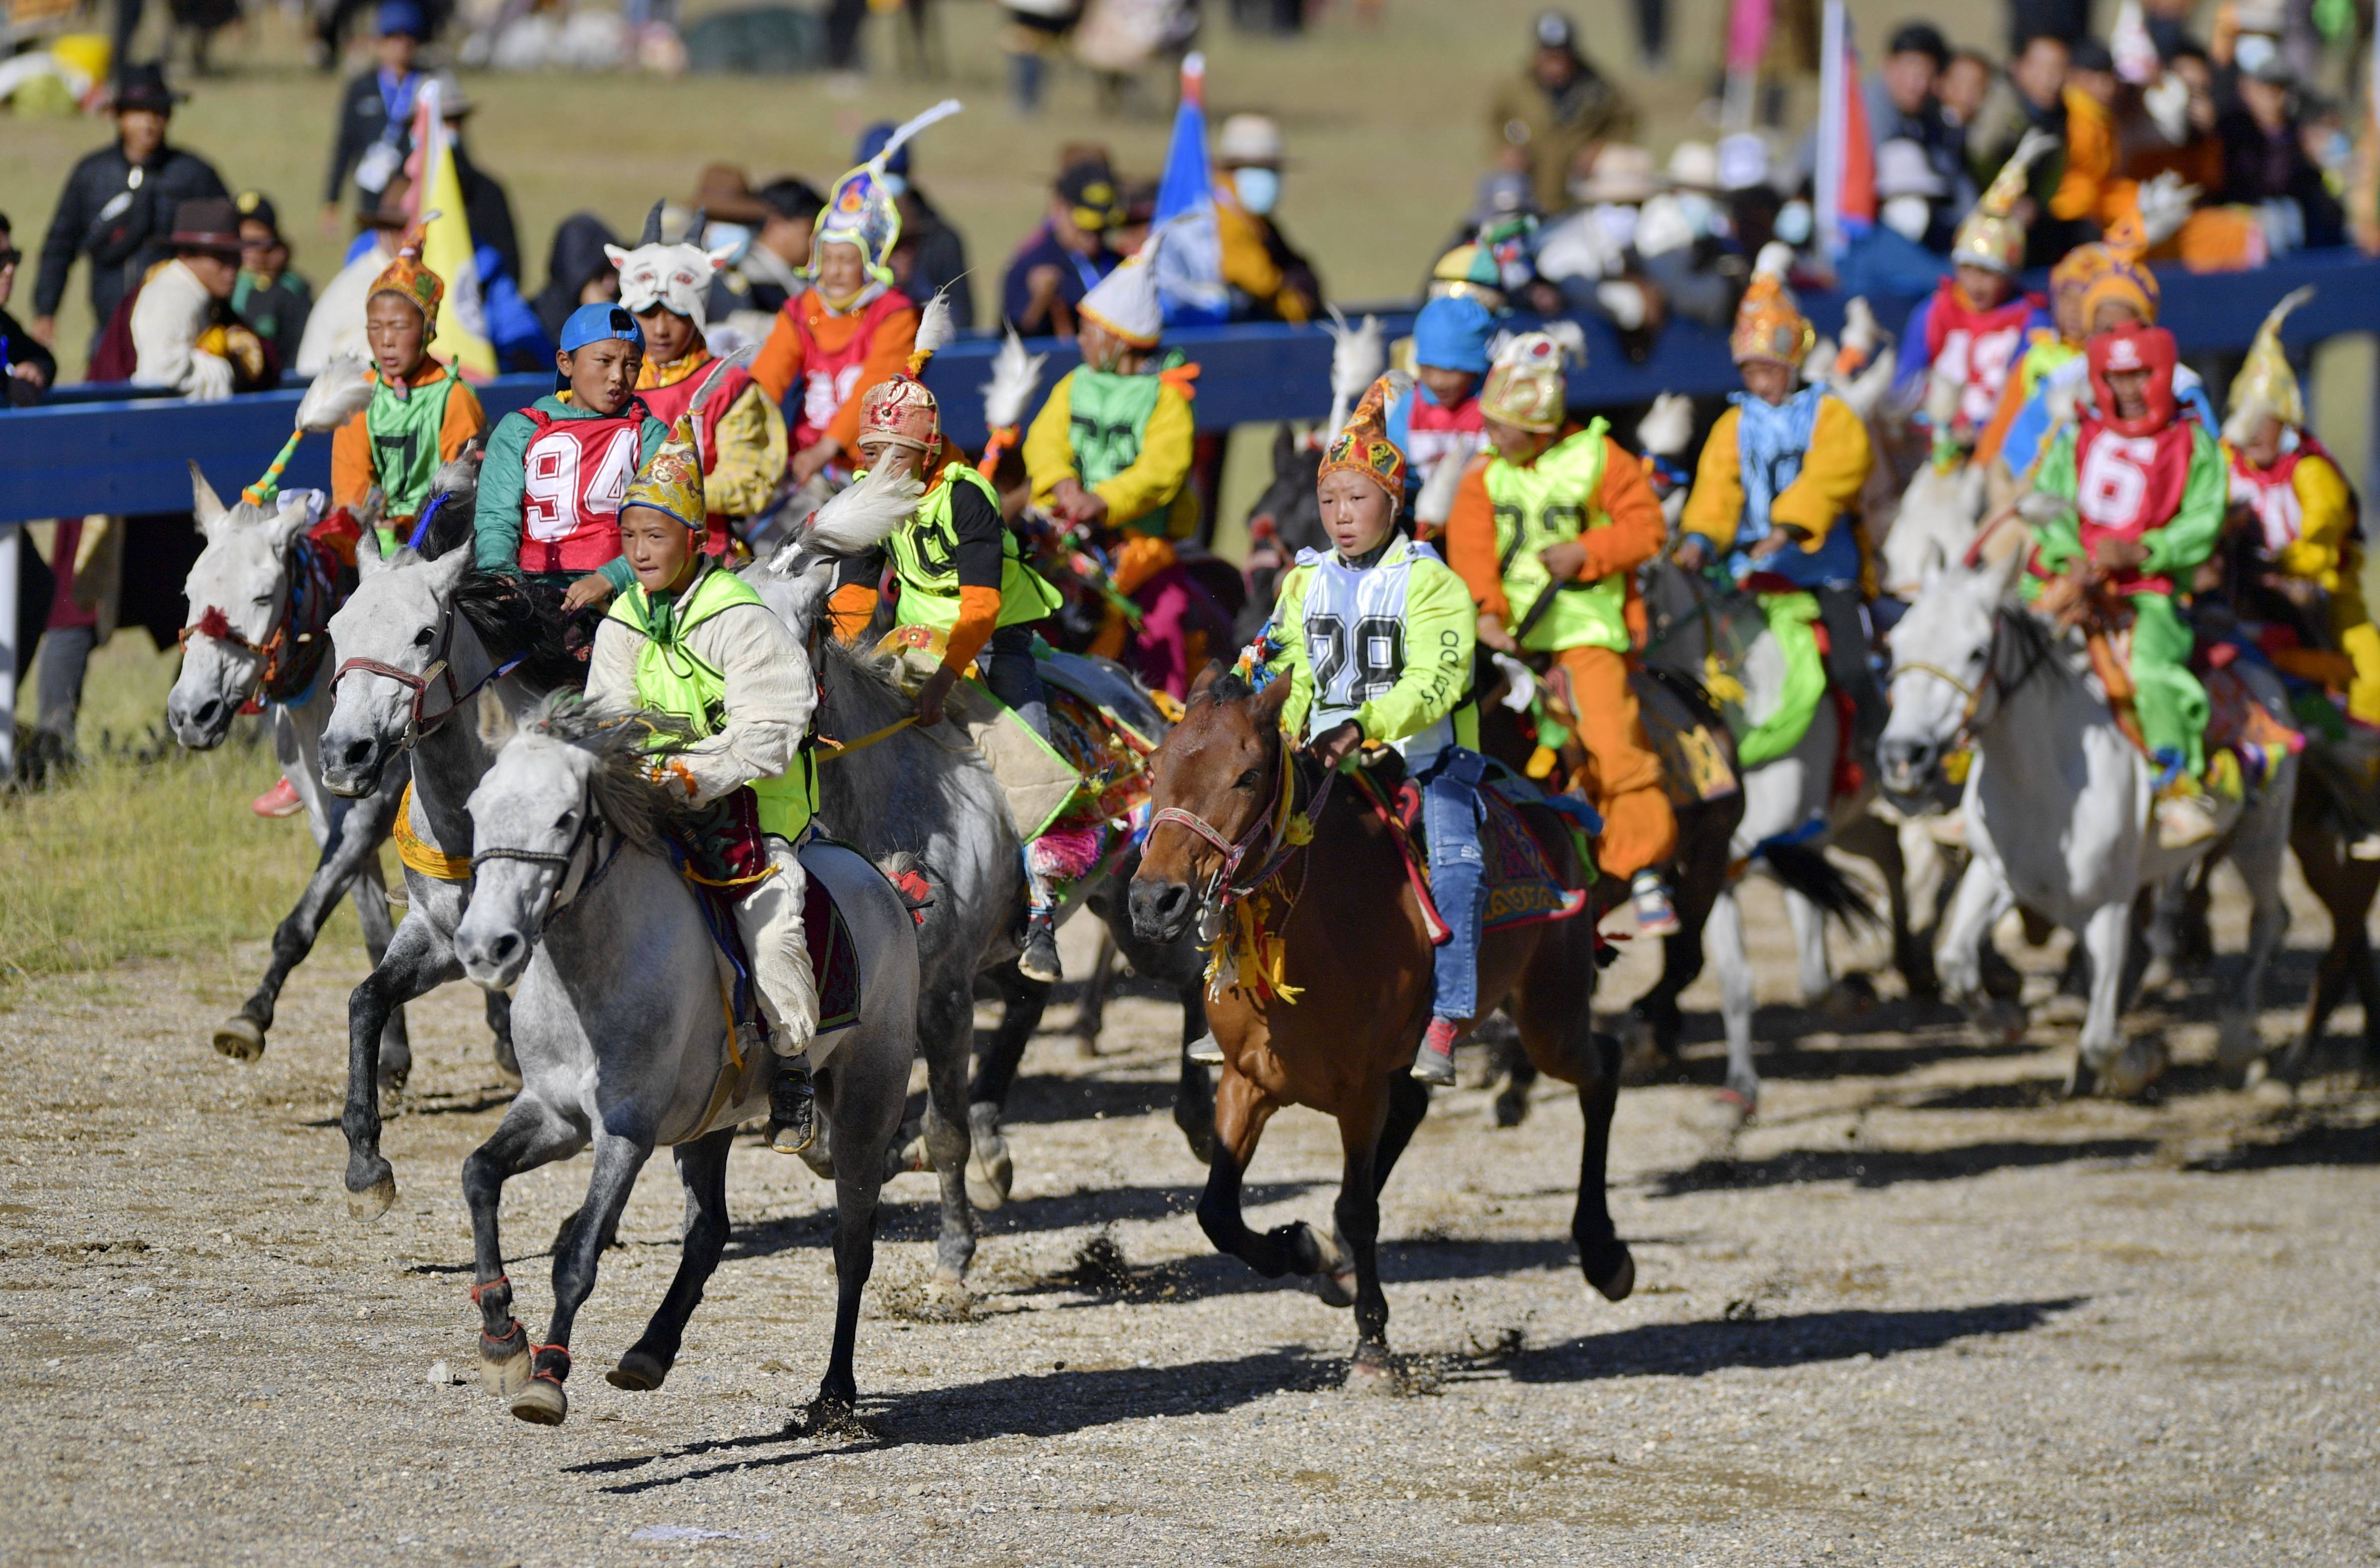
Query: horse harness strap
(590, 826)
(418, 723)
(1271, 832)
(291, 653)
(1991, 678)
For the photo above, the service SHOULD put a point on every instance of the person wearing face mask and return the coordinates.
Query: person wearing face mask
(851, 327)
(936, 252)
(1268, 279)
(1902, 107)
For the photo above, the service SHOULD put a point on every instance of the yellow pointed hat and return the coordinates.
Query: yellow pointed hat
(2266, 386)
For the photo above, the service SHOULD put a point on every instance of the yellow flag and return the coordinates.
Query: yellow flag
(447, 247)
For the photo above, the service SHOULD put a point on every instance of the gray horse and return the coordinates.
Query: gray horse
(623, 1042)
(252, 597)
(416, 674)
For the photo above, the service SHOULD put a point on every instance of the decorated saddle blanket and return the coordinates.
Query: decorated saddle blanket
(1689, 734)
(1518, 884)
(835, 958)
(1732, 664)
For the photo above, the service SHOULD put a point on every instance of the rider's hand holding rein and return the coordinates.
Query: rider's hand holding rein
(1336, 744)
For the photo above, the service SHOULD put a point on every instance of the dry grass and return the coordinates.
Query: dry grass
(135, 859)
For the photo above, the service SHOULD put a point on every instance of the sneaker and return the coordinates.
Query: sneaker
(793, 1107)
(1434, 1062)
(1654, 913)
(281, 800)
(1039, 959)
(2184, 815)
(1207, 1050)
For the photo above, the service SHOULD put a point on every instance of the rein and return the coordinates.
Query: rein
(1991, 680)
(290, 655)
(418, 723)
(1271, 836)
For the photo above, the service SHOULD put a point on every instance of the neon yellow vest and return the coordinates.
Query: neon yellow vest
(673, 678)
(925, 557)
(1550, 501)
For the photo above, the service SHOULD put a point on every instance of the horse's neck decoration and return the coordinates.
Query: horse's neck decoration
(260, 599)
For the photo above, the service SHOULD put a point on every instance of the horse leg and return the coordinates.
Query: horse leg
(1090, 1016)
(989, 1172)
(1603, 1258)
(702, 1171)
(1510, 1107)
(499, 1013)
(1723, 940)
(2258, 856)
(530, 1135)
(419, 958)
(1357, 1217)
(2103, 1062)
(854, 1259)
(1240, 1112)
(946, 1033)
(618, 1160)
(369, 894)
(1983, 897)
(1194, 1091)
(1813, 970)
(354, 838)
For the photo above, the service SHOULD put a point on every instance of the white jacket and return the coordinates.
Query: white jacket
(172, 310)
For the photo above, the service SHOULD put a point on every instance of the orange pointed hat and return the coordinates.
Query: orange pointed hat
(410, 281)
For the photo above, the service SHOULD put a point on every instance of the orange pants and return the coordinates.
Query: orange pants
(1622, 776)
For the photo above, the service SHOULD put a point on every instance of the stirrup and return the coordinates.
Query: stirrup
(792, 1110)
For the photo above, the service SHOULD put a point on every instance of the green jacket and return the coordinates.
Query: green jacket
(2176, 545)
(1432, 681)
(496, 523)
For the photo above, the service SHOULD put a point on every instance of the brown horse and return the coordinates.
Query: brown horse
(1355, 954)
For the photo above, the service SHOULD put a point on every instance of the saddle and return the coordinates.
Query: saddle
(1518, 884)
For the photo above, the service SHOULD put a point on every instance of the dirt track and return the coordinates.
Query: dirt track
(1918, 1313)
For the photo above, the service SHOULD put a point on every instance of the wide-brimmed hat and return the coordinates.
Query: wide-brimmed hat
(209, 225)
(143, 87)
(724, 192)
(1694, 166)
(1249, 138)
(452, 101)
(1623, 172)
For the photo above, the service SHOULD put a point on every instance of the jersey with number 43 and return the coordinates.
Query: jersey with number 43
(573, 475)
(1387, 645)
(2167, 490)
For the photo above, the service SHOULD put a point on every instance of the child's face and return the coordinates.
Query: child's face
(1103, 350)
(1984, 288)
(394, 330)
(1355, 513)
(1515, 445)
(2113, 313)
(2262, 447)
(842, 270)
(260, 250)
(602, 374)
(659, 548)
(1765, 379)
(669, 336)
(890, 457)
(2130, 390)
(1450, 387)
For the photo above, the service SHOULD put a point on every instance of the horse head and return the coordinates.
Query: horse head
(238, 591)
(394, 636)
(1213, 785)
(1941, 684)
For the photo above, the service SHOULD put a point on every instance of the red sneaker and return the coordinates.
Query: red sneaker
(1434, 1062)
(281, 800)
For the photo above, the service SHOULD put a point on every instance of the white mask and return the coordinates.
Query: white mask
(1908, 216)
(1259, 189)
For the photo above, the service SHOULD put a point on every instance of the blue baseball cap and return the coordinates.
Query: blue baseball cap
(402, 16)
(872, 141)
(1453, 335)
(593, 323)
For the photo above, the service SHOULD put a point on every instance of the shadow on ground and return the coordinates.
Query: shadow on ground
(1693, 1349)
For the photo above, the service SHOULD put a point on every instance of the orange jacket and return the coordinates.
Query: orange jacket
(1633, 536)
(784, 357)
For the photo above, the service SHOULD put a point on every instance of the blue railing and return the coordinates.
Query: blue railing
(128, 455)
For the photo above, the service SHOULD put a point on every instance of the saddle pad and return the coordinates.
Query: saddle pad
(1697, 756)
(2236, 721)
(1517, 884)
(1110, 757)
(834, 959)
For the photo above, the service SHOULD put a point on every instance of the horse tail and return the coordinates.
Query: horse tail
(1805, 869)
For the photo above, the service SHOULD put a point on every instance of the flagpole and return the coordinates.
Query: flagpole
(1832, 59)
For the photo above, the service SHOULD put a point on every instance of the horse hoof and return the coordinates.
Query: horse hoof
(2137, 1066)
(1850, 997)
(948, 1292)
(540, 1402)
(1737, 1106)
(2000, 1022)
(365, 1207)
(507, 1374)
(1642, 1060)
(1510, 1107)
(1371, 1371)
(240, 1038)
(639, 1371)
(2240, 1056)
(1612, 1280)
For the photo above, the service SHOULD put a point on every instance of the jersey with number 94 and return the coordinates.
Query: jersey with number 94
(572, 476)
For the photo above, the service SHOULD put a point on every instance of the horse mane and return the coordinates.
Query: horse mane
(2038, 646)
(623, 749)
(516, 622)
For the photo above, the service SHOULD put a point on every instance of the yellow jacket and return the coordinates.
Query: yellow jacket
(2324, 552)
(1152, 493)
(1833, 471)
(1248, 265)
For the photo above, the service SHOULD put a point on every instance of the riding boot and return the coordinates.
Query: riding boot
(793, 1106)
(1039, 959)
(1655, 915)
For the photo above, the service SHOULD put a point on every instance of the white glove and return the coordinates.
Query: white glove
(1667, 425)
(209, 380)
(1623, 303)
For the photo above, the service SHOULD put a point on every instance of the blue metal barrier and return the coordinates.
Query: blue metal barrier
(130, 456)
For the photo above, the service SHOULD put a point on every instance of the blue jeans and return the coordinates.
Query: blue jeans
(1012, 674)
(1451, 816)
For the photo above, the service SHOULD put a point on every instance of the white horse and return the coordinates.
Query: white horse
(1790, 813)
(2057, 809)
(252, 599)
(619, 1020)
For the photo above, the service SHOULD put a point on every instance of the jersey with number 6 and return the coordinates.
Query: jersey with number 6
(2165, 489)
(1387, 645)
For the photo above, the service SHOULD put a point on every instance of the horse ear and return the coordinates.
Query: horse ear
(1205, 678)
(447, 570)
(368, 557)
(203, 502)
(1272, 700)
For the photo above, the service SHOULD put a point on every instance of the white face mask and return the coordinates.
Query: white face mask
(1908, 216)
(1700, 212)
(1793, 224)
(733, 237)
(1258, 189)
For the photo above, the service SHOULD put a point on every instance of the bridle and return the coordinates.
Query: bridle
(1972, 713)
(440, 671)
(1268, 839)
(290, 653)
(591, 828)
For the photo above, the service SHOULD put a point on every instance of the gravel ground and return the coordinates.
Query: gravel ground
(1921, 1312)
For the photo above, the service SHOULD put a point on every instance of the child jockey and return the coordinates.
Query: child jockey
(2302, 514)
(1977, 325)
(1547, 532)
(2121, 291)
(1441, 422)
(550, 489)
(2145, 486)
(1411, 691)
(964, 582)
(689, 639)
(1778, 484)
(737, 428)
(420, 414)
(1110, 450)
(851, 327)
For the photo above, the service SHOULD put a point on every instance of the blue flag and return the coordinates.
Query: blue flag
(1190, 262)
